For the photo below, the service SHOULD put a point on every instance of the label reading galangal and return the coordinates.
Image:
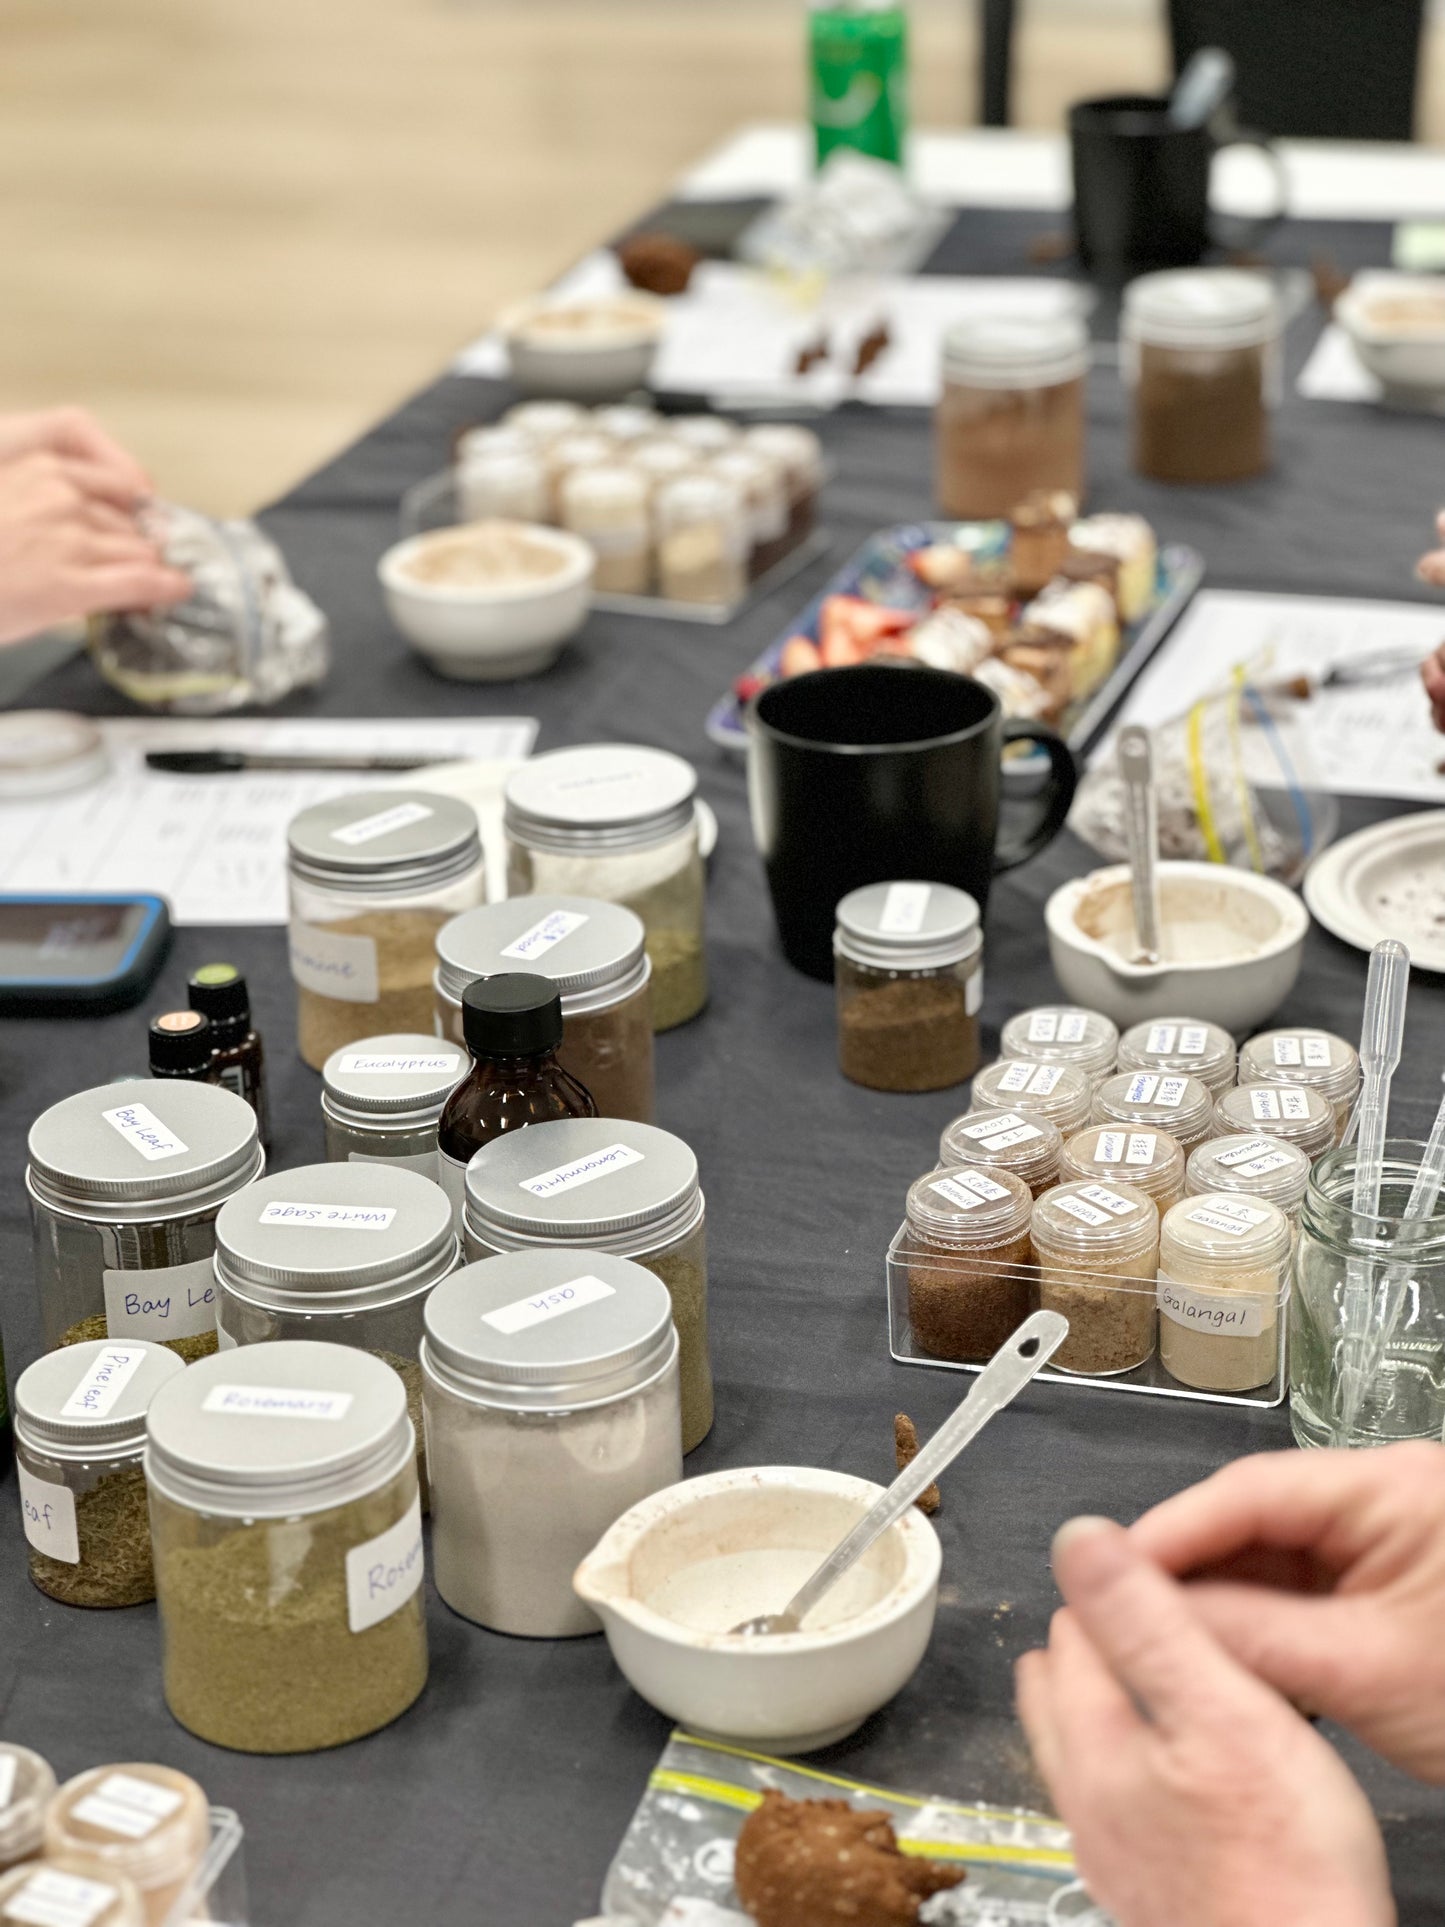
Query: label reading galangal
(1222, 1314)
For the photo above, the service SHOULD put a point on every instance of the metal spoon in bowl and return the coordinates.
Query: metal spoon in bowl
(1000, 1381)
(1141, 828)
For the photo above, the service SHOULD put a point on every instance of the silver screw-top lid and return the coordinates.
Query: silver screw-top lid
(166, 1149)
(594, 952)
(87, 1400)
(603, 796)
(600, 1181)
(549, 1330)
(907, 926)
(385, 841)
(403, 1077)
(265, 1431)
(335, 1238)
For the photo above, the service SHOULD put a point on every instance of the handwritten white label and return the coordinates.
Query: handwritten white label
(340, 967)
(973, 993)
(1005, 1140)
(1170, 1093)
(49, 1514)
(1287, 1050)
(1242, 1153)
(1294, 1104)
(1073, 1027)
(990, 1127)
(1225, 1215)
(1045, 1080)
(597, 1164)
(329, 1217)
(1161, 1040)
(370, 1064)
(1141, 1088)
(103, 1381)
(1143, 1146)
(8, 1767)
(1110, 1200)
(1043, 1027)
(983, 1186)
(1193, 1040)
(1085, 1213)
(125, 1805)
(382, 1574)
(274, 1401)
(366, 829)
(1109, 1147)
(1015, 1077)
(1222, 1314)
(171, 1301)
(1266, 1162)
(50, 1898)
(144, 1132)
(1264, 1104)
(542, 936)
(543, 1306)
(1317, 1052)
(904, 907)
(1276, 1102)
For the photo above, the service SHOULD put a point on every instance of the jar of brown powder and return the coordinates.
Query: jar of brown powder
(908, 965)
(1011, 417)
(1097, 1247)
(1201, 349)
(1007, 1140)
(969, 1280)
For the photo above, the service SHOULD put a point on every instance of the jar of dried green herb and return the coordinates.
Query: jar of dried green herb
(80, 1417)
(381, 1098)
(908, 966)
(27, 1785)
(286, 1523)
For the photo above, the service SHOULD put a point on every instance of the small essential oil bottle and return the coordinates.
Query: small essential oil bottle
(181, 1045)
(218, 991)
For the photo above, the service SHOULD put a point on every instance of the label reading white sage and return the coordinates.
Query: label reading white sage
(366, 829)
(905, 905)
(597, 1164)
(144, 1132)
(330, 965)
(272, 1401)
(382, 1574)
(543, 1306)
(543, 936)
(328, 1217)
(1221, 1314)
(49, 1514)
(161, 1302)
(101, 1384)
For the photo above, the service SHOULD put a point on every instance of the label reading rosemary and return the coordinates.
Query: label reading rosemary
(266, 1401)
(383, 1573)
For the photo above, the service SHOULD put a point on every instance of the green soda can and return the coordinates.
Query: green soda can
(859, 64)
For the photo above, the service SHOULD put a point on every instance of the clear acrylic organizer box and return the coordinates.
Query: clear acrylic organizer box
(217, 1894)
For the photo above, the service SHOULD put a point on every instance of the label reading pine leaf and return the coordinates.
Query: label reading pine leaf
(161, 1302)
(904, 907)
(103, 1381)
(1219, 1313)
(328, 1217)
(1110, 1200)
(382, 1574)
(597, 1164)
(49, 1514)
(366, 829)
(50, 1898)
(545, 935)
(543, 1306)
(144, 1132)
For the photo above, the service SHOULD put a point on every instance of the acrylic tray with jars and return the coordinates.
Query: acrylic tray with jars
(1124, 1329)
(883, 573)
(217, 1892)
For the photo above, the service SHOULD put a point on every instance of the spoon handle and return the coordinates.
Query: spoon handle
(1000, 1381)
(1141, 825)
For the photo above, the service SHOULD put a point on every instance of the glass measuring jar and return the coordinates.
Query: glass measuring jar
(1097, 1249)
(381, 1098)
(908, 971)
(1315, 1060)
(1223, 1278)
(1011, 416)
(1172, 1102)
(1200, 348)
(1005, 1140)
(1062, 1034)
(30, 1781)
(143, 1823)
(1256, 1167)
(1060, 1092)
(1182, 1046)
(1294, 1112)
(1152, 1161)
(970, 1285)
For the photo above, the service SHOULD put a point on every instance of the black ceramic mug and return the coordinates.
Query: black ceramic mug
(882, 772)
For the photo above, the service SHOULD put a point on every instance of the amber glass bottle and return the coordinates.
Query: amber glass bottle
(238, 1061)
(181, 1046)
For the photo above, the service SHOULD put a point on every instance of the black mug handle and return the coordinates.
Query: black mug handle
(1231, 231)
(1063, 781)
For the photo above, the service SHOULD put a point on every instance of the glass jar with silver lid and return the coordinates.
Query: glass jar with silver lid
(550, 1382)
(908, 974)
(595, 953)
(617, 821)
(124, 1195)
(373, 877)
(604, 1184)
(381, 1098)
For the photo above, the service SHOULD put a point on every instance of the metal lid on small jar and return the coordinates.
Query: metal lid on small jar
(1185, 1044)
(907, 926)
(968, 1206)
(1062, 1034)
(335, 1237)
(1016, 351)
(1201, 308)
(1263, 1167)
(602, 797)
(1297, 1112)
(601, 1181)
(89, 1400)
(265, 1431)
(177, 1147)
(1316, 1058)
(593, 952)
(550, 1331)
(404, 1077)
(384, 840)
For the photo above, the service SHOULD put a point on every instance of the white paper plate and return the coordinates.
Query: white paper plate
(1386, 881)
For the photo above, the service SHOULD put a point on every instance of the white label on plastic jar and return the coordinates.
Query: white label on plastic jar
(49, 1512)
(1044, 1027)
(990, 1127)
(1317, 1052)
(1044, 1080)
(171, 1301)
(1015, 1077)
(1193, 1040)
(423, 1161)
(1021, 1134)
(557, 1300)
(537, 941)
(366, 829)
(1085, 1213)
(1223, 1215)
(1162, 1039)
(904, 908)
(382, 1574)
(101, 1384)
(982, 1185)
(370, 1064)
(1287, 1050)
(272, 1401)
(329, 1217)
(123, 1804)
(1242, 1153)
(1109, 1148)
(1142, 1147)
(1073, 1027)
(597, 1164)
(973, 993)
(1110, 1200)
(966, 1200)
(1266, 1162)
(1274, 1102)
(1142, 1087)
(8, 1766)
(1220, 1313)
(50, 1898)
(331, 965)
(144, 1132)
(1171, 1092)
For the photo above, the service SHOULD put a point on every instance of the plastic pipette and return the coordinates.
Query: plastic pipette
(1419, 1209)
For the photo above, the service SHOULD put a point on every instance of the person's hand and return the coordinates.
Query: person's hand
(1324, 1573)
(1431, 567)
(1194, 1793)
(76, 434)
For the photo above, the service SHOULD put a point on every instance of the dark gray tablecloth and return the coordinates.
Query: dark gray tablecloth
(502, 1795)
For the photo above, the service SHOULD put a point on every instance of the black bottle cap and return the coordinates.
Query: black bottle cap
(180, 1041)
(517, 1014)
(219, 991)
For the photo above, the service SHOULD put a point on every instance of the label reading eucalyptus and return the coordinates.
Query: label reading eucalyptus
(396, 1064)
(144, 1132)
(165, 1302)
(367, 829)
(382, 1574)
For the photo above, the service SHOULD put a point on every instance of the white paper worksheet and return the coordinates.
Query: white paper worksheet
(215, 846)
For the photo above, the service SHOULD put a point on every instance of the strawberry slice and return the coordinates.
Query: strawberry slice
(854, 628)
(799, 655)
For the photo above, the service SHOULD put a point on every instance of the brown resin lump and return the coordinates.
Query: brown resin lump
(814, 1863)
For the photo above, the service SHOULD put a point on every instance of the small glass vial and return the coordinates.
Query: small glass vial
(62, 1894)
(286, 1523)
(1184, 1045)
(381, 1099)
(1097, 1247)
(1011, 418)
(703, 540)
(569, 455)
(1005, 1140)
(1152, 1161)
(31, 1784)
(704, 435)
(908, 967)
(1223, 1267)
(180, 1046)
(595, 954)
(218, 991)
(800, 453)
(626, 422)
(1298, 1114)
(604, 1184)
(1059, 1092)
(550, 1381)
(543, 421)
(1315, 1059)
(80, 1417)
(489, 438)
(147, 1824)
(661, 460)
(124, 1193)
(765, 491)
(608, 506)
(969, 1282)
(1178, 1104)
(373, 877)
(1062, 1034)
(1257, 1167)
(618, 822)
(508, 483)
(1200, 347)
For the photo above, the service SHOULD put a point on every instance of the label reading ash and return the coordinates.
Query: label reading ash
(543, 1306)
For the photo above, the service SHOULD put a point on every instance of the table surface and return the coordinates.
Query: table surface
(503, 1793)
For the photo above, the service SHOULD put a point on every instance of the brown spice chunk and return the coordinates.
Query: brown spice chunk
(659, 263)
(907, 1034)
(877, 339)
(905, 1450)
(814, 1863)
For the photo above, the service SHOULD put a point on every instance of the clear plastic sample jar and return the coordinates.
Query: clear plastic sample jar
(765, 493)
(501, 482)
(1182, 1045)
(1223, 1279)
(286, 1523)
(373, 877)
(626, 422)
(1257, 1167)
(1152, 1161)
(30, 1783)
(908, 967)
(1201, 349)
(1299, 1115)
(123, 1199)
(968, 1252)
(618, 822)
(1011, 417)
(543, 421)
(1005, 1140)
(381, 1098)
(704, 435)
(595, 953)
(148, 1824)
(80, 1417)
(609, 507)
(800, 454)
(605, 1184)
(1317, 1060)
(1097, 1247)
(703, 540)
(550, 1380)
(1062, 1034)
(62, 1894)
(1060, 1092)
(570, 454)
(1176, 1103)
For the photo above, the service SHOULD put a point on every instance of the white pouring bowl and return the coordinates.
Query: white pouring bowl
(590, 349)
